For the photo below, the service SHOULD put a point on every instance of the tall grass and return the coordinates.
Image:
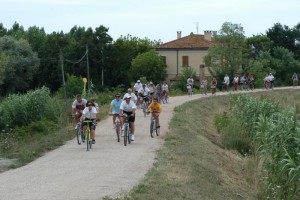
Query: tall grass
(275, 134)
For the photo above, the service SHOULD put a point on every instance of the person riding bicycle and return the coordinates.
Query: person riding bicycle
(151, 88)
(144, 94)
(137, 86)
(155, 109)
(158, 90)
(77, 107)
(115, 107)
(164, 89)
(89, 113)
(190, 81)
(128, 107)
(133, 96)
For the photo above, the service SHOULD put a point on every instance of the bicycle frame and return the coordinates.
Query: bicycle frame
(88, 138)
(126, 129)
(117, 123)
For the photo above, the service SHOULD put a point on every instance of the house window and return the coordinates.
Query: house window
(185, 61)
(164, 59)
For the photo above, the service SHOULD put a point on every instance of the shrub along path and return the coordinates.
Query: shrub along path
(108, 169)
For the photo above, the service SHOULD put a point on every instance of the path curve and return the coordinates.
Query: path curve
(108, 169)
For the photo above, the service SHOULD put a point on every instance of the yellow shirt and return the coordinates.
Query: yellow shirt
(156, 107)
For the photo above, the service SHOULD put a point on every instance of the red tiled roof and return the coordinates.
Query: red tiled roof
(187, 42)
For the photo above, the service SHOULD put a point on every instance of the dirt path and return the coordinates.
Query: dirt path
(70, 172)
(110, 168)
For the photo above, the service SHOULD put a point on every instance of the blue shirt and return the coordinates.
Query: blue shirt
(116, 105)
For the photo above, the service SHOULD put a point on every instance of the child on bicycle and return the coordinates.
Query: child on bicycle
(89, 113)
(155, 109)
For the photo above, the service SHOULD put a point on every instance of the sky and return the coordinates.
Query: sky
(152, 19)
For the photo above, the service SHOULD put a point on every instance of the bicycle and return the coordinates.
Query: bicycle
(165, 97)
(189, 88)
(87, 137)
(79, 133)
(117, 125)
(153, 126)
(144, 107)
(126, 130)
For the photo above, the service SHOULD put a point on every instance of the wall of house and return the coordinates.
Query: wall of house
(195, 59)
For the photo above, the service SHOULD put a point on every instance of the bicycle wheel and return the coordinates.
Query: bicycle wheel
(79, 134)
(118, 131)
(87, 139)
(125, 135)
(129, 136)
(157, 131)
(144, 109)
(151, 128)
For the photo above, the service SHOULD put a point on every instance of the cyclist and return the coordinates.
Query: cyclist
(93, 100)
(165, 90)
(77, 107)
(190, 81)
(203, 86)
(115, 107)
(226, 82)
(158, 90)
(137, 86)
(129, 108)
(89, 113)
(133, 96)
(213, 85)
(151, 88)
(144, 93)
(155, 109)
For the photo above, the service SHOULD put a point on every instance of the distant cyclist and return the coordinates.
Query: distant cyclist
(190, 81)
(144, 93)
(133, 96)
(155, 109)
(77, 107)
(89, 113)
(137, 86)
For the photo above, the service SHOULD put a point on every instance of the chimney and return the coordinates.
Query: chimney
(208, 35)
(178, 34)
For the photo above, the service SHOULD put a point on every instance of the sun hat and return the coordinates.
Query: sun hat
(127, 96)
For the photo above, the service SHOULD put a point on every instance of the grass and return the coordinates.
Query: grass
(196, 161)
(43, 136)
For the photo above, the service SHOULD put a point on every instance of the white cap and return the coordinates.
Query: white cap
(127, 96)
(138, 81)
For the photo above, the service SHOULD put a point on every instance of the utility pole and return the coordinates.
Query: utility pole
(88, 70)
(63, 75)
(102, 73)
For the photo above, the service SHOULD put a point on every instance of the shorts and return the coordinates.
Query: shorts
(131, 118)
(91, 124)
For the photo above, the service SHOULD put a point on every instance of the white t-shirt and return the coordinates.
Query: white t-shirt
(137, 86)
(127, 107)
(165, 87)
(90, 114)
(144, 92)
(133, 97)
(79, 106)
(226, 79)
(190, 81)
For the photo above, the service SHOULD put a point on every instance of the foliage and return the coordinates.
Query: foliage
(73, 86)
(20, 110)
(18, 65)
(283, 36)
(276, 136)
(150, 65)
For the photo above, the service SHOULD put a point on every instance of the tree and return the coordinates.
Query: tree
(228, 51)
(18, 65)
(283, 36)
(149, 65)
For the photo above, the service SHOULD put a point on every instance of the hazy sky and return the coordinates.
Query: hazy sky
(152, 19)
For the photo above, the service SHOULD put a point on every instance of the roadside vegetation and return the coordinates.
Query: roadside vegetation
(209, 154)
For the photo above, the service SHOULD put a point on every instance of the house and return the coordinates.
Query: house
(186, 51)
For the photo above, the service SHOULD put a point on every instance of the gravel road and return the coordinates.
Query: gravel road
(109, 168)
